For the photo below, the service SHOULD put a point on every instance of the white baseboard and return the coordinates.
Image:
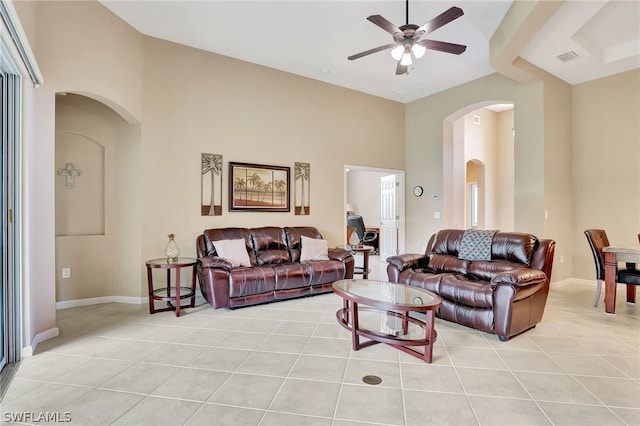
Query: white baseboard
(40, 337)
(66, 304)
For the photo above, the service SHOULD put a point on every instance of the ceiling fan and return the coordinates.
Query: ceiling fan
(407, 38)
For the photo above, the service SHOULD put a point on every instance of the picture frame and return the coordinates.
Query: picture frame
(259, 187)
(302, 187)
(211, 185)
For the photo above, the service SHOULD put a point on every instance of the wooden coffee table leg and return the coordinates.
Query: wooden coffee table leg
(355, 341)
(428, 328)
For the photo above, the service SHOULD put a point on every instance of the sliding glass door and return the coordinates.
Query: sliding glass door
(3, 209)
(10, 201)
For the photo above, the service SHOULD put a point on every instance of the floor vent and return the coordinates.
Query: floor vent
(567, 56)
(372, 380)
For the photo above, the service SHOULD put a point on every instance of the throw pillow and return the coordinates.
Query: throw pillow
(233, 250)
(476, 244)
(313, 249)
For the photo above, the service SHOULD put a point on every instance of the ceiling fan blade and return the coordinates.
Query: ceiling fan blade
(401, 69)
(440, 20)
(386, 25)
(443, 46)
(370, 51)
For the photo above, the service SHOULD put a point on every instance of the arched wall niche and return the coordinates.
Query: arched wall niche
(79, 185)
(479, 134)
(103, 143)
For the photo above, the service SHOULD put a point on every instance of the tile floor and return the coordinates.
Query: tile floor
(289, 363)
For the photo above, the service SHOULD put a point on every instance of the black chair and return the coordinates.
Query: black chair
(630, 276)
(368, 238)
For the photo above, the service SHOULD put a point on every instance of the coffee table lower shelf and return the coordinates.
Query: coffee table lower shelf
(396, 329)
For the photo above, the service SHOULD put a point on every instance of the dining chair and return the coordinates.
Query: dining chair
(630, 276)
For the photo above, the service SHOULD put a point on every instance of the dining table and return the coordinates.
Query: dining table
(613, 255)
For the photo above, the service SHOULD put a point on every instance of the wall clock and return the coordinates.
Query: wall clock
(417, 190)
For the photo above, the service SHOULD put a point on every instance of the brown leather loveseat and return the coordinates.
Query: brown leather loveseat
(274, 267)
(504, 295)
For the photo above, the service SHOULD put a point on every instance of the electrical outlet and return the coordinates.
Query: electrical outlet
(561, 259)
(66, 273)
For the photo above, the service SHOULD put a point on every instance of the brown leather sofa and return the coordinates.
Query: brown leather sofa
(503, 296)
(276, 272)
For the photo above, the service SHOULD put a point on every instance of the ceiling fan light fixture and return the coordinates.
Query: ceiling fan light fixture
(396, 52)
(406, 59)
(418, 50)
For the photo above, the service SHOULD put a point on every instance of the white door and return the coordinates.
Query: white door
(388, 239)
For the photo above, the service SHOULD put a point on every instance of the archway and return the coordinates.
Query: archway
(98, 236)
(483, 134)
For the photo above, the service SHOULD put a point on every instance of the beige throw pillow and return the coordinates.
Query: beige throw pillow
(314, 249)
(233, 250)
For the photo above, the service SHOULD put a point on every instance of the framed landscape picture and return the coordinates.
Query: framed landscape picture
(257, 187)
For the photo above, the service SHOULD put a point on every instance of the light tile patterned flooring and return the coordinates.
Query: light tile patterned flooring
(289, 363)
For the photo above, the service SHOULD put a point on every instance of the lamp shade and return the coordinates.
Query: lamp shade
(418, 50)
(349, 209)
(406, 59)
(396, 52)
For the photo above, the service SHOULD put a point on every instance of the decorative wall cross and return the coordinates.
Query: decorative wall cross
(70, 173)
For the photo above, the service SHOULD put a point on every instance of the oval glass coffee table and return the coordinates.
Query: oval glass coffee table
(384, 315)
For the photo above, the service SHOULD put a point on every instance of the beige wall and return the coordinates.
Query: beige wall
(605, 159)
(187, 102)
(427, 128)
(505, 216)
(199, 102)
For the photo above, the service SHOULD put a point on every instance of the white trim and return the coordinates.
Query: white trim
(40, 337)
(66, 304)
(19, 40)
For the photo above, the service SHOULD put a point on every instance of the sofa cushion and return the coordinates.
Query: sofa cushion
(270, 245)
(446, 263)
(421, 278)
(233, 250)
(292, 275)
(313, 249)
(294, 234)
(514, 247)
(250, 281)
(216, 234)
(487, 270)
(476, 244)
(464, 291)
(326, 271)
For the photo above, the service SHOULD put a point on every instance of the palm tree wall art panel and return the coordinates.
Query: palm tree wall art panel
(302, 189)
(258, 187)
(211, 200)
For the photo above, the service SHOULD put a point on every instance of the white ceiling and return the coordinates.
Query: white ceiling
(313, 38)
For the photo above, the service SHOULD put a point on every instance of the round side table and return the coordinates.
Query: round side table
(171, 293)
(365, 250)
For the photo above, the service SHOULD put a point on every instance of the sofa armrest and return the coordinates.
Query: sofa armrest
(521, 277)
(339, 254)
(215, 262)
(408, 260)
